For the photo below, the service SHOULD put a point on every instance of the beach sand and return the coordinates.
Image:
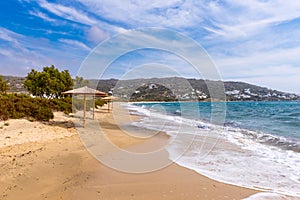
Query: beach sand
(49, 161)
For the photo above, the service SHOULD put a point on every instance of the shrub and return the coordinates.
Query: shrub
(78, 103)
(99, 102)
(16, 106)
(63, 104)
(4, 115)
(43, 114)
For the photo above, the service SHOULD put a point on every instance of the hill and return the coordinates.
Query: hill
(189, 90)
(16, 84)
(173, 88)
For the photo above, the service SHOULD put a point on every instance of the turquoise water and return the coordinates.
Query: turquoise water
(278, 119)
(249, 144)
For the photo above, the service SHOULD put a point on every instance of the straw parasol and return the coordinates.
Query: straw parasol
(86, 91)
(109, 99)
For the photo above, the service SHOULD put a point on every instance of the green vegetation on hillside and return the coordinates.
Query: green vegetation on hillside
(153, 92)
(191, 90)
(198, 89)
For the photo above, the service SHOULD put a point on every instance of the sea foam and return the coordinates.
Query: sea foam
(227, 154)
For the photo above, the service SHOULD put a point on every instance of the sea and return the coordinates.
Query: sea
(250, 144)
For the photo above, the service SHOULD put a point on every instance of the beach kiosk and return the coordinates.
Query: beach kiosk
(86, 91)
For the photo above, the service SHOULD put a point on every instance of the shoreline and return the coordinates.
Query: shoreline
(62, 168)
(270, 190)
(182, 101)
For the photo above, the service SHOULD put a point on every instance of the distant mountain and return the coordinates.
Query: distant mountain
(174, 88)
(189, 90)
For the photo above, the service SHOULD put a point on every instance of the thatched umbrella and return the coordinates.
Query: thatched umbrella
(109, 99)
(86, 91)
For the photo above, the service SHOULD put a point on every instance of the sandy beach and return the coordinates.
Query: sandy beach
(49, 161)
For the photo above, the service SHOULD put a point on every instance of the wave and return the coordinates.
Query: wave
(265, 138)
(281, 142)
(253, 159)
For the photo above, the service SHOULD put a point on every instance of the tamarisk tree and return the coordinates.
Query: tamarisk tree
(49, 83)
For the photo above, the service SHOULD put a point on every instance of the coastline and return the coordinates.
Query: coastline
(62, 168)
(242, 156)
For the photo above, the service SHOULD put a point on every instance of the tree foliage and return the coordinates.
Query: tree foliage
(48, 83)
(80, 82)
(3, 85)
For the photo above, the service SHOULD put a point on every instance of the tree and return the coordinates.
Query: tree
(3, 85)
(80, 82)
(49, 83)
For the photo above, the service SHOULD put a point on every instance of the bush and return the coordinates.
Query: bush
(4, 115)
(43, 114)
(16, 106)
(63, 104)
(78, 103)
(99, 102)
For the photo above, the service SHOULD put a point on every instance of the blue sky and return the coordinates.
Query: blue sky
(256, 41)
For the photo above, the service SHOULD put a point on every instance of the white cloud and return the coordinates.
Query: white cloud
(277, 69)
(179, 51)
(247, 39)
(247, 18)
(23, 53)
(168, 13)
(19, 61)
(79, 16)
(260, 60)
(75, 43)
(67, 13)
(6, 53)
(42, 16)
(281, 83)
(95, 34)
(229, 19)
(8, 35)
(15, 41)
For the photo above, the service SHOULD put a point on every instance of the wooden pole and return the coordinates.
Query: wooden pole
(84, 111)
(93, 107)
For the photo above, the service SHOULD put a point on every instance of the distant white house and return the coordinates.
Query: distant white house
(203, 96)
(152, 86)
(233, 92)
(247, 91)
(245, 96)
